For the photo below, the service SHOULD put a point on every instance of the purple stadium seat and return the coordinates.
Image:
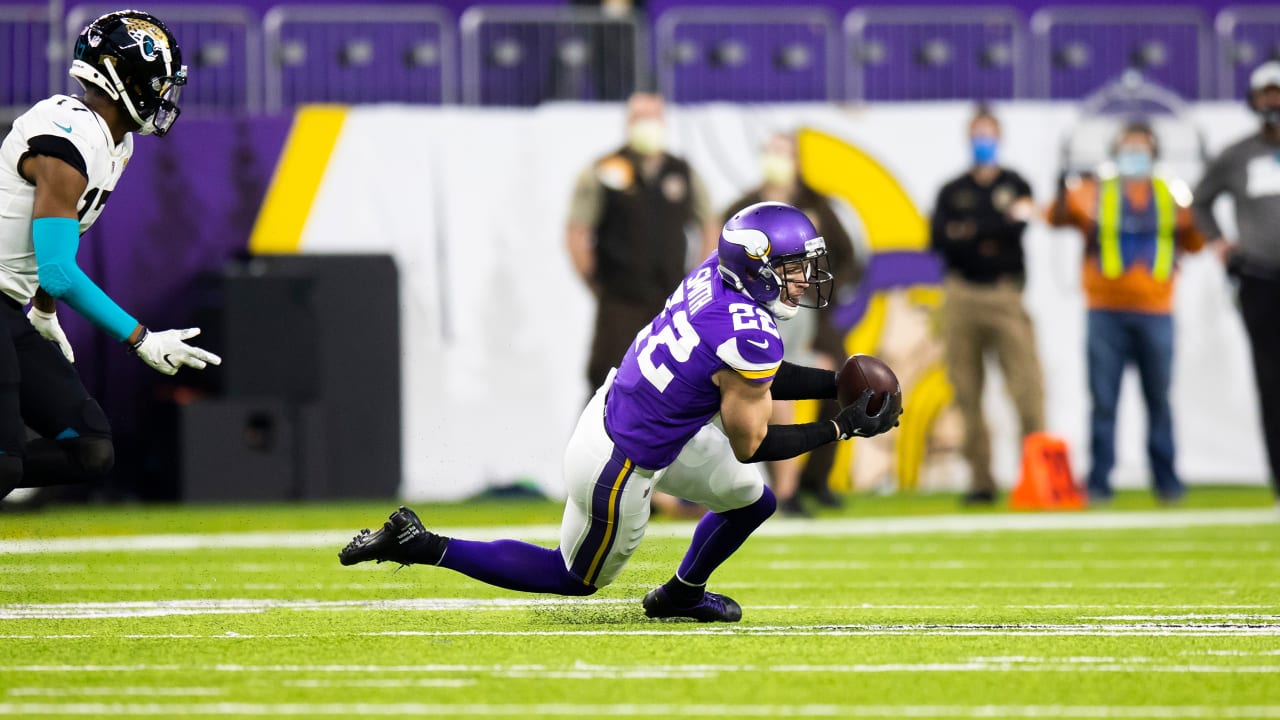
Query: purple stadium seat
(1077, 52)
(24, 40)
(1247, 37)
(900, 53)
(525, 55)
(220, 46)
(747, 54)
(358, 54)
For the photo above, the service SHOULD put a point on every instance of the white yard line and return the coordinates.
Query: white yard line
(216, 606)
(580, 669)
(1215, 629)
(638, 710)
(783, 527)
(115, 691)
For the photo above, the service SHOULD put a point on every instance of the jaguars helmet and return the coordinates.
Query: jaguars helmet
(132, 57)
(765, 244)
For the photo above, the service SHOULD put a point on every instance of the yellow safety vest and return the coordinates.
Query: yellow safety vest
(1109, 201)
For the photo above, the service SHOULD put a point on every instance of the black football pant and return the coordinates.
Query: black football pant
(1259, 301)
(40, 389)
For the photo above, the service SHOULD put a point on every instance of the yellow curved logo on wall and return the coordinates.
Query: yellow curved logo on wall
(893, 224)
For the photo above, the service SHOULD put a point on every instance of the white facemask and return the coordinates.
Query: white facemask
(647, 136)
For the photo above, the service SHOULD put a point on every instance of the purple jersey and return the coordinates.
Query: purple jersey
(663, 392)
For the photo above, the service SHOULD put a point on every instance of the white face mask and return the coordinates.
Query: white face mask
(778, 169)
(1133, 163)
(647, 136)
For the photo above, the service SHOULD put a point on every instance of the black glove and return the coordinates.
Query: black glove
(854, 421)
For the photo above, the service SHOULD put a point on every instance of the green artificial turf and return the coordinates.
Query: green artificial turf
(1170, 621)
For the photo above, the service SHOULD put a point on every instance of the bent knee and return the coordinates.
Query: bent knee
(95, 455)
(583, 590)
(10, 472)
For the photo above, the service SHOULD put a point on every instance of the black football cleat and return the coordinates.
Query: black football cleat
(712, 607)
(402, 539)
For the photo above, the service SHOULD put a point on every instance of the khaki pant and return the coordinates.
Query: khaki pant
(977, 318)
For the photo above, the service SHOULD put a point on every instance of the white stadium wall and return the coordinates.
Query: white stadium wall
(472, 203)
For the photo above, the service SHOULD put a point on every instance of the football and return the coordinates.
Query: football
(861, 372)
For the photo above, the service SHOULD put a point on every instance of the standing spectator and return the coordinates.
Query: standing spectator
(627, 239)
(1135, 222)
(810, 337)
(1249, 171)
(977, 226)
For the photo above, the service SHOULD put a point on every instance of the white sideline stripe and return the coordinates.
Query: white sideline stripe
(231, 606)
(618, 672)
(581, 669)
(650, 710)
(783, 527)
(213, 606)
(375, 683)
(1021, 630)
(113, 691)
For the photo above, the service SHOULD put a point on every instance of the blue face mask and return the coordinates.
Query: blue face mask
(1133, 163)
(984, 150)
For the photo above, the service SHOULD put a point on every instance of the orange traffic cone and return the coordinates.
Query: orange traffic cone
(1046, 482)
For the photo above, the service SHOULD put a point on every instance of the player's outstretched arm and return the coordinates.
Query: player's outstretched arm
(745, 407)
(798, 382)
(55, 234)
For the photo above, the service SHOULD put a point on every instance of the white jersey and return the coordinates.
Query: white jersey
(64, 128)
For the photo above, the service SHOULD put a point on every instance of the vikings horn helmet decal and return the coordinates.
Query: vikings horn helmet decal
(767, 248)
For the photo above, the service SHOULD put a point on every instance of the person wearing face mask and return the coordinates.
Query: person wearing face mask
(626, 234)
(810, 337)
(976, 230)
(1249, 171)
(1136, 222)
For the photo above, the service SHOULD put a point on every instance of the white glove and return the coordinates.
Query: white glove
(46, 323)
(165, 351)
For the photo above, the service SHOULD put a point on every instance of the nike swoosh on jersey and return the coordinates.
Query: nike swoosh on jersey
(763, 344)
(63, 128)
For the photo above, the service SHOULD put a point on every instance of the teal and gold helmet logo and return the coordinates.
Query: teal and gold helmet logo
(147, 37)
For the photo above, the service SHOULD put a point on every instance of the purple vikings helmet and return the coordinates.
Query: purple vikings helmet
(763, 244)
(133, 58)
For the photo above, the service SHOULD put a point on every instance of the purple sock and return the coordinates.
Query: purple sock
(514, 565)
(718, 535)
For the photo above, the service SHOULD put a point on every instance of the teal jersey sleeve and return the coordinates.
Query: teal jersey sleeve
(56, 241)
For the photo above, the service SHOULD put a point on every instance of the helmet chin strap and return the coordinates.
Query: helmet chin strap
(145, 127)
(783, 311)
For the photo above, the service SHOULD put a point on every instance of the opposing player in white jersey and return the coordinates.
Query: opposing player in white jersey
(58, 166)
(686, 412)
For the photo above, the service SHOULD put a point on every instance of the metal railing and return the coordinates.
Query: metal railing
(1074, 52)
(525, 55)
(521, 56)
(1247, 37)
(947, 52)
(747, 54)
(359, 54)
(25, 50)
(221, 45)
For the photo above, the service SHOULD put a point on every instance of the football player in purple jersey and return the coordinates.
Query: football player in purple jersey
(686, 412)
